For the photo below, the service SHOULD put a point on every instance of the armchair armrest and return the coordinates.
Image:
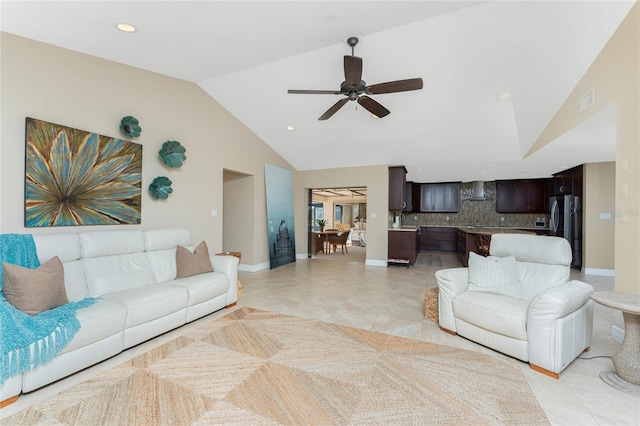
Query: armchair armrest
(451, 282)
(559, 324)
(228, 265)
(558, 301)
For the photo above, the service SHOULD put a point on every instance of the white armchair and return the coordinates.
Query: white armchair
(548, 324)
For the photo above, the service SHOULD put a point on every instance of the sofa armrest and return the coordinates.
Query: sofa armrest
(228, 265)
(559, 324)
(451, 282)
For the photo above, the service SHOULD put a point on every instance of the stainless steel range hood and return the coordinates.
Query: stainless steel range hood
(477, 192)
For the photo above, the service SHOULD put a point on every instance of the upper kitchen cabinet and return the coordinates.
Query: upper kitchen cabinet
(397, 188)
(440, 197)
(568, 181)
(522, 196)
(408, 198)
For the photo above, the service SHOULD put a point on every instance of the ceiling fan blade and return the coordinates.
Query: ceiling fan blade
(395, 86)
(334, 109)
(314, 92)
(352, 70)
(373, 107)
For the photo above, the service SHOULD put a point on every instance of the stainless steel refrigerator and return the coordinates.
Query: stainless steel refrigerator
(566, 222)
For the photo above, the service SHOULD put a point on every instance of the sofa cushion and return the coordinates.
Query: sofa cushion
(150, 302)
(497, 275)
(204, 287)
(163, 264)
(188, 263)
(35, 290)
(98, 321)
(65, 246)
(493, 312)
(75, 282)
(101, 243)
(162, 239)
(110, 274)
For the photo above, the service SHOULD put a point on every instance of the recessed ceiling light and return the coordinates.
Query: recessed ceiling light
(504, 96)
(290, 128)
(127, 28)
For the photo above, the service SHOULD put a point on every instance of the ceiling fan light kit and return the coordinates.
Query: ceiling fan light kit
(356, 89)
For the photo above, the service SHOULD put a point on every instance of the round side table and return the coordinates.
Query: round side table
(627, 360)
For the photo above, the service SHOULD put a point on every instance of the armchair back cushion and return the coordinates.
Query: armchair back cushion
(542, 261)
(497, 275)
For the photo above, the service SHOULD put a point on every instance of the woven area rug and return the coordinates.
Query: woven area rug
(257, 367)
(424, 259)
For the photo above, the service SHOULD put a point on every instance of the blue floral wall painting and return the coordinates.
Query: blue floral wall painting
(279, 187)
(74, 177)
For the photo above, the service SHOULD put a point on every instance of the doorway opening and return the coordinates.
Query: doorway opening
(343, 209)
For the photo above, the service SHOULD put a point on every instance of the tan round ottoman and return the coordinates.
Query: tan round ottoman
(431, 303)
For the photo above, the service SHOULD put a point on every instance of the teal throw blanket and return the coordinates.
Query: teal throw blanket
(27, 342)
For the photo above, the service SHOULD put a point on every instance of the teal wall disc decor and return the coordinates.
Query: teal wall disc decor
(130, 127)
(160, 188)
(172, 153)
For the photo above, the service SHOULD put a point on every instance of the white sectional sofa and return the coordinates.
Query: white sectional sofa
(133, 273)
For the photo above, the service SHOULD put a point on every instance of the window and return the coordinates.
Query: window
(317, 212)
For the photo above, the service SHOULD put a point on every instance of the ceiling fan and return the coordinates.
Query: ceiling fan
(356, 89)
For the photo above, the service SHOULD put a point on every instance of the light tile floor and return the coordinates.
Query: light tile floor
(341, 289)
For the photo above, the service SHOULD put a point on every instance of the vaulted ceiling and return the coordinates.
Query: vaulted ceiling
(246, 54)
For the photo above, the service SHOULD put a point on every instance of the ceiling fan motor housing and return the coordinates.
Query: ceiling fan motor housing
(353, 91)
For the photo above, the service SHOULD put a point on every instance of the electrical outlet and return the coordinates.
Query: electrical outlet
(501, 218)
(617, 334)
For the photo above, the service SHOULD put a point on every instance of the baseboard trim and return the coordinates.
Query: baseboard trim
(253, 268)
(375, 262)
(599, 272)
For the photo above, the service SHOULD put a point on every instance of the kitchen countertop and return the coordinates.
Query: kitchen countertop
(491, 231)
(476, 229)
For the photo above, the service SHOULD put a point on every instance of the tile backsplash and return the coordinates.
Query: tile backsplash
(477, 213)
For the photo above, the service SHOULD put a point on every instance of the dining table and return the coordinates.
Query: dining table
(325, 235)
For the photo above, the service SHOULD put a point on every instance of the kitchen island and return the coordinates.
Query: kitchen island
(403, 246)
(477, 240)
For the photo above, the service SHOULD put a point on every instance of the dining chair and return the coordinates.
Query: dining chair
(339, 240)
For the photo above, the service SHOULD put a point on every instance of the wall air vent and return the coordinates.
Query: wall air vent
(587, 100)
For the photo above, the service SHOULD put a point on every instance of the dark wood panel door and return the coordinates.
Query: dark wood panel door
(440, 197)
(505, 196)
(397, 187)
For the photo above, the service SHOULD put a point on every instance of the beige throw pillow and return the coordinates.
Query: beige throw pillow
(35, 290)
(497, 275)
(195, 263)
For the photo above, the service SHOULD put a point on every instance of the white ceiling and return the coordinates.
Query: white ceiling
(246, 54)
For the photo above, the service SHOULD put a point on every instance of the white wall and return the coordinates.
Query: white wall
(81, 91)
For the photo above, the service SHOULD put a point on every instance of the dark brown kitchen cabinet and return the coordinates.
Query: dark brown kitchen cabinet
(403, 244)
(466, 244)
(408, 198)
(440, 197)
(438, 238)
(397, 188)
(522, 196)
